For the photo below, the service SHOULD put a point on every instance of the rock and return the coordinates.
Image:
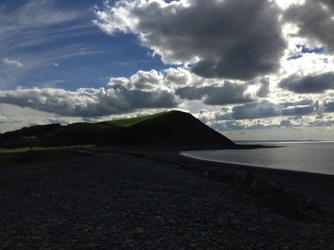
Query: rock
(139, 230)
(260, 187)
(286, 206)
(225, 176)
(309, 215)
(205, 171)
(244, 177)
(294, 206)
(314, 207)
(281, 204)
(306, 210)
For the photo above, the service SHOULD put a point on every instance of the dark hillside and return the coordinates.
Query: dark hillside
(30, 136)
(171, 128)
(167, 128)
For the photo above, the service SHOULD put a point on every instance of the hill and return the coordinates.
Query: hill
(170, 128)
(167, 128)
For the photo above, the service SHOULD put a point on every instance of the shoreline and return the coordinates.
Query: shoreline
(246, 165)
(314, 186)
(174, 154)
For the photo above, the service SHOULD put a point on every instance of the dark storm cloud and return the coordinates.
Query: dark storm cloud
(314, 20)
(224, 39)
(229, 93)
(308, 84)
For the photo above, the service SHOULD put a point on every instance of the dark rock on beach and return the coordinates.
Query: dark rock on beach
(270, 193)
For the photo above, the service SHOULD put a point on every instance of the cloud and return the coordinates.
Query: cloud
(186, 86)
(222, 39)
(285, 123)
(308, 84)
(29, 23)
(329, 106)
(3, 119)
(147, 80)
(298, 111)
(263, 90)
(151, 80)
(13, 62)
(36, 13)
(267, 109)
(86, 102)
(229, 125)
(263, 109)
(229, 93)
(314, 22)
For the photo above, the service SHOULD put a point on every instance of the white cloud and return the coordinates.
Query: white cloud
(224, 39)
(86, 102)
(13, 117)
(36, 13)
(14, 62)
(2, 119)
(287, 3)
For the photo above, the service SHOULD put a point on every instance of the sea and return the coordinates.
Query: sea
(303, 156)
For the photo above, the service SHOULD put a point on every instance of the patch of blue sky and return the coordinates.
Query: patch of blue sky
(305, 50)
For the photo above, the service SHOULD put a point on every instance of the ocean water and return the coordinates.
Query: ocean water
(308, 156)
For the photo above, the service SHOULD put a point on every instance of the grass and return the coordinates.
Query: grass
(132, 121)
(18, 150)
(17, 156)
(26, 149)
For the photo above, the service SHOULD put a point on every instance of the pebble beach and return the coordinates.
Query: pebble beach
(120, 201)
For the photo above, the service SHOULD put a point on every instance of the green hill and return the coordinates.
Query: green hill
(170, 128)
(167, 128)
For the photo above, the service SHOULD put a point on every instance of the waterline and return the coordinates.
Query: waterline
(313, 157)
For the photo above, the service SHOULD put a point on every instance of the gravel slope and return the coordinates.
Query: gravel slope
(112, 201)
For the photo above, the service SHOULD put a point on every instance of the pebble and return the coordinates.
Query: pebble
(111, 201)
(140, 230)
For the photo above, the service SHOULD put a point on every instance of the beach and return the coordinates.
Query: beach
(141, 198)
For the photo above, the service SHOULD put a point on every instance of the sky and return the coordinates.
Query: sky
(250, 69)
